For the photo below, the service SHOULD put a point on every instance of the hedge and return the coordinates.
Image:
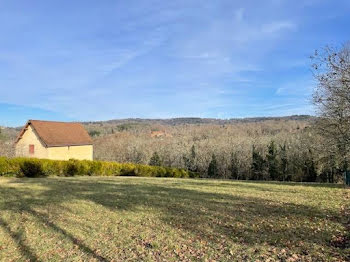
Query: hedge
(31, 167)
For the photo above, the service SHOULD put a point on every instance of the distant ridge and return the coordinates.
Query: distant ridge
(189, 120)
(198, 120)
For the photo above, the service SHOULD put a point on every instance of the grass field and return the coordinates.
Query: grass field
(129, 218)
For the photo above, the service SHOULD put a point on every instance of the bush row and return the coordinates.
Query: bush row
(30, 167)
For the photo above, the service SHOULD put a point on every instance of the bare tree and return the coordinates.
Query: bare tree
(332, 98)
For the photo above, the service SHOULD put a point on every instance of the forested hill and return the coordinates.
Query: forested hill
(264, 148)
(9, 133)
(198, 120)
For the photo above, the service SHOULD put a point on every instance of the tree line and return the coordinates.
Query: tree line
(275, 163)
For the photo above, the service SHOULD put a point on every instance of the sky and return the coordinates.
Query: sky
(98, 60)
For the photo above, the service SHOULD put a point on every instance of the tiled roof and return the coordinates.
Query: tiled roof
(59, 133)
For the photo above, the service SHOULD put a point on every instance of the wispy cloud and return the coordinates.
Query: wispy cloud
(278, 26)
(296, 87)
(239, 14)
(163, 58)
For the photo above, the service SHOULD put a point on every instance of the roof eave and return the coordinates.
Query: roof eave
(22, 131)
(59, 145)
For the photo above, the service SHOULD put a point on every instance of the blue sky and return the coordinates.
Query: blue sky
(98, 60)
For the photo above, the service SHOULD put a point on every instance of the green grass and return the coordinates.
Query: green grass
(130, 218)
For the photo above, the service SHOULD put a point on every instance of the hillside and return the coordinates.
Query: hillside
(198, 120)
(109, 126)
(100, 128)
(213, 147)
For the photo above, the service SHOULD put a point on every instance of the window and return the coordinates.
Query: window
(31, 149)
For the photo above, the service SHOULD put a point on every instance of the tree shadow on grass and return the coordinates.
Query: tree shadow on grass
(29, 253)
(27, 206)
(244, 220)
(26, 251)
(44, 218)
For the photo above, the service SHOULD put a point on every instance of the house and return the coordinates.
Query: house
(54, 140)
(158, 134)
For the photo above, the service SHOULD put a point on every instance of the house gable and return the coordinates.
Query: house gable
(30, 144)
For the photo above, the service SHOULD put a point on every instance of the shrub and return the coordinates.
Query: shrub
(193, 174)
(4, 168)
(31, 168)
(127, 169)
(71, 168)
(45, 167)
(52, 168)
(95, 168)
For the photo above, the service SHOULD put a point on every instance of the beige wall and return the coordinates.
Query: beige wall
(71, 152)
(57, 153)
(30, 138)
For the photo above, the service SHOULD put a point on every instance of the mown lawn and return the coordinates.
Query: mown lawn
(130, 218)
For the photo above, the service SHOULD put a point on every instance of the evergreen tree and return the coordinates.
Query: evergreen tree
(284, 161)
(258, 165)
(234, 166)
(310, 172)
(155, 160)
(190, 161)
(193, 152)
(213, 167)
(272, 162)
(332, 168)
